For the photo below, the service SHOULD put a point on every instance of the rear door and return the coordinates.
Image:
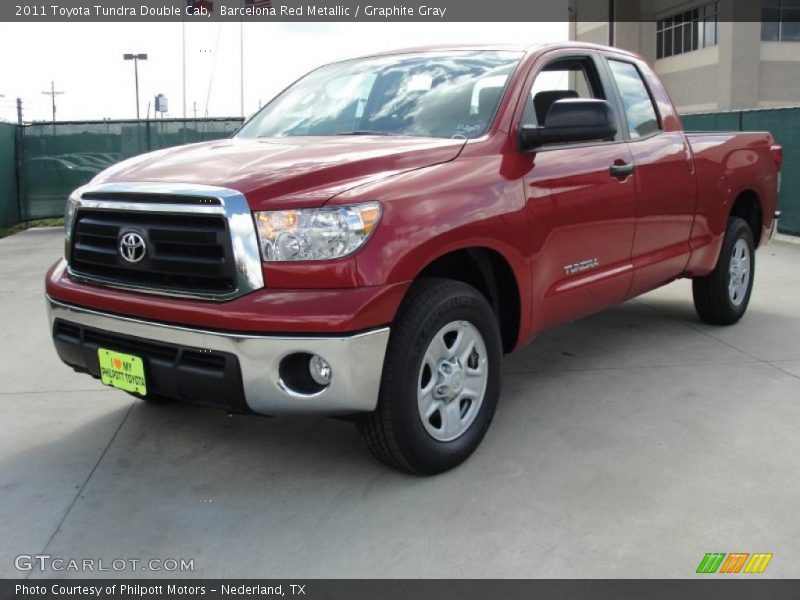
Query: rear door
(582, 212)
(663, 176)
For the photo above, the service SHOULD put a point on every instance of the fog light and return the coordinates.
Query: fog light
(320, 370)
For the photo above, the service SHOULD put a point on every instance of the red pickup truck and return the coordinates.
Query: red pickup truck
(373, 241)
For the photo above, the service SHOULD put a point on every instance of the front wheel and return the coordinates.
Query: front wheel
(441, 379)
(722, 296)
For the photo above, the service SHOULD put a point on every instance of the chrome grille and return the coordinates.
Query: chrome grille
(176, 239)
(185, 252)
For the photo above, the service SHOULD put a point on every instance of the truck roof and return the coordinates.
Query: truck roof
(528, 48)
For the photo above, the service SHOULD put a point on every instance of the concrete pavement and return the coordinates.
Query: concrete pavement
(627, 444)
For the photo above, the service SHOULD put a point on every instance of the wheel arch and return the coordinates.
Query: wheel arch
(747, 205)
(490, 272)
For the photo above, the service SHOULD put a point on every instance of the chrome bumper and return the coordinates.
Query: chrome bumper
(356, 360)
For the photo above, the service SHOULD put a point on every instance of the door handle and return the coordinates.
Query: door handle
(621, 171)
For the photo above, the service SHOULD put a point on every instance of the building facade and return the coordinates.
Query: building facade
(711, 56)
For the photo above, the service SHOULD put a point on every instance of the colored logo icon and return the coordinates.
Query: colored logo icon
(735, 562)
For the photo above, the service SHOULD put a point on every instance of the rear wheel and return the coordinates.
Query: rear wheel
(441, 379)
(722, 296)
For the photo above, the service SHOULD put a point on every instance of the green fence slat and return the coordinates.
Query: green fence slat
(711, 122)
(9, 202)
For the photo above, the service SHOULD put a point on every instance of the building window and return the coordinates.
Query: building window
(688, 31)
(780, 21)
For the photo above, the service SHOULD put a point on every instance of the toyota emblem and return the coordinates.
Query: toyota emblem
(132, 247)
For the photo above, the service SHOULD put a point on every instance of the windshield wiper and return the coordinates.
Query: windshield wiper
(365, 132)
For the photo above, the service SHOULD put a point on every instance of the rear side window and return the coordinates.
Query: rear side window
(636, 100)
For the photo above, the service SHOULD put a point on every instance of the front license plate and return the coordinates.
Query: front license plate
(123, 371)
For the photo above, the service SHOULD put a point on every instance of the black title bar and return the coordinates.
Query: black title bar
(356, 10)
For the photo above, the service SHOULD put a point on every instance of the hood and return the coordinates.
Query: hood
(286, 172)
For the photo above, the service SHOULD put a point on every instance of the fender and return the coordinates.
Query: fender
(726, 172)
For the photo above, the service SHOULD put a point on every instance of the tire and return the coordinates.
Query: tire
(444, 348)
(718, 299)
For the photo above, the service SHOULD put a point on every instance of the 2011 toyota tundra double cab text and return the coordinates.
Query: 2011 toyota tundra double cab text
(373, 241)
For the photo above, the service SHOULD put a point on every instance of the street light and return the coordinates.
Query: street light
(136, 58)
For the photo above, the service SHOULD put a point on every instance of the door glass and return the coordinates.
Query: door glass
(636, 100)
(570, 78)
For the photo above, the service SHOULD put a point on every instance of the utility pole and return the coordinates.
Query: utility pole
(19, 111)
(136, 58)
(183, 62)
(53, 93)
(241, 65)
(612, 22)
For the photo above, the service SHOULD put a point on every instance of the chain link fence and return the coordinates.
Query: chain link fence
(55, 158)
(784, 124)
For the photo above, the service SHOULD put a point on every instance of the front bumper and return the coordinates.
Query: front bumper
(246, 366)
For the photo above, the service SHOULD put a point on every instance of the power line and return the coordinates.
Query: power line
(213, 67)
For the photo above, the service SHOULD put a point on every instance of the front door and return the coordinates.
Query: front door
(581, 203)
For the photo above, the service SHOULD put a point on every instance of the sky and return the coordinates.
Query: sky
(84, 60)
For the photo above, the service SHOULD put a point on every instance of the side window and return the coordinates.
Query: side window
(563, 78)
(636, 100)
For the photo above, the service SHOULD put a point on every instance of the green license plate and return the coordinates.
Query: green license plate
(123, 371)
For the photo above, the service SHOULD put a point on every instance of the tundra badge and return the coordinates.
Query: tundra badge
(585, 265)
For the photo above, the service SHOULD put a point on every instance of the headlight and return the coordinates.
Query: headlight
(69, 213)
(315, 234)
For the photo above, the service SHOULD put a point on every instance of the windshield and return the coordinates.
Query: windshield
(429, 95)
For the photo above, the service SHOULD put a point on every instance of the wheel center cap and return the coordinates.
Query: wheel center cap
(458, 381)
(450, 379)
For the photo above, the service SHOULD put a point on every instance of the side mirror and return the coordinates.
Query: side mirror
(571, 120)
